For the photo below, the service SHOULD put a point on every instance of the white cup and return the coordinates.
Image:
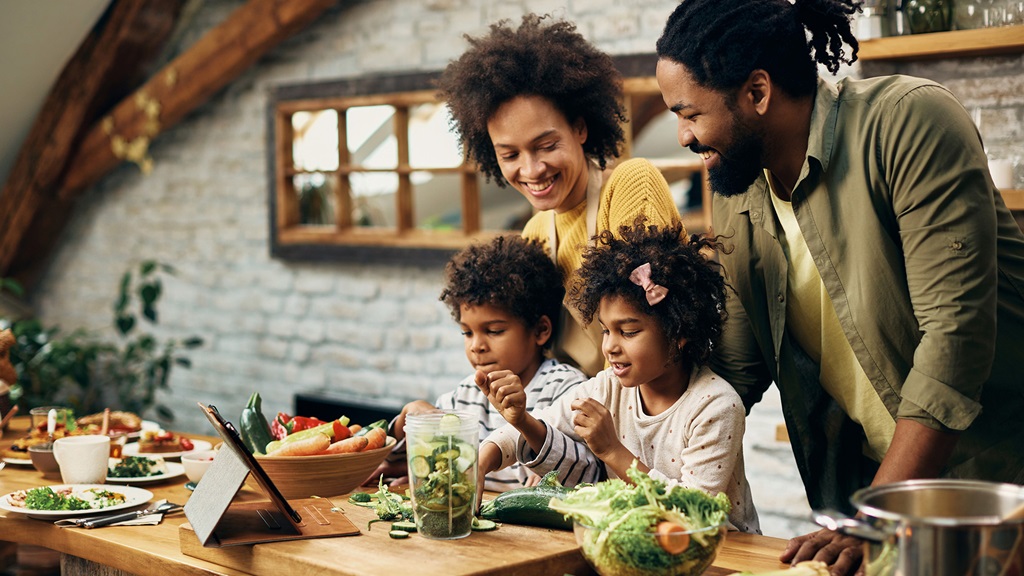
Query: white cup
(82, 459)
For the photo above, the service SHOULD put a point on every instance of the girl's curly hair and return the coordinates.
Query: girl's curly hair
(694, 308)
(510, 272)
(537, 59)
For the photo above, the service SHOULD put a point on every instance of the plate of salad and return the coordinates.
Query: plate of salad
(142, 469)
(71, 500)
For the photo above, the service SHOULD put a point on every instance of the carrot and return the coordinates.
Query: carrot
(348, 445)
(376, 438)
(315, 444)
(672, 537)
(355, 428)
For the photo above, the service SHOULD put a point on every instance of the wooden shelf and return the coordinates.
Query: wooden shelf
(955, 44)
(1014, 199)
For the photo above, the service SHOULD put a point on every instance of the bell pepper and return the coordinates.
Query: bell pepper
(279, 427)
(327, 428)
(300, 423)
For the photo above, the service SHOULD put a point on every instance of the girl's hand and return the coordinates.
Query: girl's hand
(594, 424)
(505, 392)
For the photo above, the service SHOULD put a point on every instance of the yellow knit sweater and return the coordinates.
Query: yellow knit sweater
(635, 187)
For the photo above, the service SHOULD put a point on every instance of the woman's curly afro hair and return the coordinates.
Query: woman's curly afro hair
(694, 307)
(550, 60)
(509, 272)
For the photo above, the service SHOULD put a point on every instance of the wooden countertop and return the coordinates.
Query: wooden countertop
(158, 550)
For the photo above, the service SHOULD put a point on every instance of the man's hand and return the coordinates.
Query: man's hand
(842, 553)
(505, 392)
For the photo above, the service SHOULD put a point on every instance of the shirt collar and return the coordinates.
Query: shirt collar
(823, 124)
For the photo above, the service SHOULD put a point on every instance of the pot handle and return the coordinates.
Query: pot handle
(838, 522)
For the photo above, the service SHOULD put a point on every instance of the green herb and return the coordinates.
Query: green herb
(45, 498)
(134, 467)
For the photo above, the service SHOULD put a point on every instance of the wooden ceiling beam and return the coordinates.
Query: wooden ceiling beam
(183, 85)
(113, 55)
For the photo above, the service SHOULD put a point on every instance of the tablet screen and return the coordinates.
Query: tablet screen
(227, 431)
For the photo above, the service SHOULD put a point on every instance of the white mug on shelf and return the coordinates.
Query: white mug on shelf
(82, 459)
(1002, 173)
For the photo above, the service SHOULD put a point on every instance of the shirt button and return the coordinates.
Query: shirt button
(780, 297)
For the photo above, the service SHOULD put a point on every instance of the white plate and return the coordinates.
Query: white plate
(133, 450)
(173, 471)
(133, 497)
(19, 461)
(146, 425)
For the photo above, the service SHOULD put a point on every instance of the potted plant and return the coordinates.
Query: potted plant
(88, 373)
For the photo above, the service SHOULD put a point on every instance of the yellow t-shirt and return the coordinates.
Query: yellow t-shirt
(811, 318)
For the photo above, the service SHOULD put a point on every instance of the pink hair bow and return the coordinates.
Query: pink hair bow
(641, 276)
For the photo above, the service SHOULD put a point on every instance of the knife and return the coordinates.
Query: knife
(114, 519)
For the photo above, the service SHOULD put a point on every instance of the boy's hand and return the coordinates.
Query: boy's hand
(505, 392)
(488, 460)
(594, 424)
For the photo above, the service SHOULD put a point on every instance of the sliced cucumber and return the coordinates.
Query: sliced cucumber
(449, 424)
(404, 525)
(419, 466)
(398, 534)
(484, 525)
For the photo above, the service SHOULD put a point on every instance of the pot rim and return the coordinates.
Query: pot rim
(860, 496)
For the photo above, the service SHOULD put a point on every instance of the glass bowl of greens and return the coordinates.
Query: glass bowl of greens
(665, 549)
(645, 527)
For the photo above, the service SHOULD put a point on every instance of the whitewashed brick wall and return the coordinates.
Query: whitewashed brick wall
(370, 332)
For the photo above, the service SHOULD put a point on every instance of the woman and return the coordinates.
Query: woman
(538, 108)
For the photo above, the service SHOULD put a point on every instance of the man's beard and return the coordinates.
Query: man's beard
(735, 174)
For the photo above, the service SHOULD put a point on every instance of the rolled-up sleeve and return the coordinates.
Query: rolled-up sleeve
(944, 202)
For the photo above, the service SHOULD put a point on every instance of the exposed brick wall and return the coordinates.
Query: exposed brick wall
(372, 332)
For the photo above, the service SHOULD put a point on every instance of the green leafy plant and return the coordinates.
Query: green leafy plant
(88, 373)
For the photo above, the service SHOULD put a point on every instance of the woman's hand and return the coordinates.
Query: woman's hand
(842, 553)
(505, 392)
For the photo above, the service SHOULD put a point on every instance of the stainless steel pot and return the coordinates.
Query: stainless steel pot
(936, 528)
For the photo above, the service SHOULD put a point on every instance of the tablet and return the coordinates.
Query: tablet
(233, 441)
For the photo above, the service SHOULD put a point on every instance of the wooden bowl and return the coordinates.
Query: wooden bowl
(328, 475)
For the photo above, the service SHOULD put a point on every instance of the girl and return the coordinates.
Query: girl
(538, 107)
(659, 302)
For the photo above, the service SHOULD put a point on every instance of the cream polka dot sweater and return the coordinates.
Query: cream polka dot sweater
(698, 442)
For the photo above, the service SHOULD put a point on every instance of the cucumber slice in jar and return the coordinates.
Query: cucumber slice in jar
(419, 466)
(449, 424)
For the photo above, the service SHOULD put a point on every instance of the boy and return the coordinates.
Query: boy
(505, 295)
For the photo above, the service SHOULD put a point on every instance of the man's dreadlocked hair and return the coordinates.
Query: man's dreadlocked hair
(721, 42)
(551, 60)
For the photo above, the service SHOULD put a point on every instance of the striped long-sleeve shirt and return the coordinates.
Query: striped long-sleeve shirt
(552, 380)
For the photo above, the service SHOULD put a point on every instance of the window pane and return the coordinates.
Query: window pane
(431, 143)
(437, 200)
(315, 195)
(373, 199)
(315, 144)
(502, 208)
(371, 136)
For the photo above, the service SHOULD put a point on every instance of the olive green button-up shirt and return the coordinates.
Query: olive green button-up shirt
(924, 265)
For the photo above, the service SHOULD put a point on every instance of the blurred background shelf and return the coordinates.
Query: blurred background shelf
(954, 44)
(1014, 199)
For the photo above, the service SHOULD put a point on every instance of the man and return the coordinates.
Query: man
(877, 275)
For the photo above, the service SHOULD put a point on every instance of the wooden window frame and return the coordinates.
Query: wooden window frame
(404, 244)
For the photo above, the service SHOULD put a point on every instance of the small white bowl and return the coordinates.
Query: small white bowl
(196, 463)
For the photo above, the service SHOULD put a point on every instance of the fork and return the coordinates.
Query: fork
(114, 519)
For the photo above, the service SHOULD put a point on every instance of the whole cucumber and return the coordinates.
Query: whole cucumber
(253, 426)
(528, 506)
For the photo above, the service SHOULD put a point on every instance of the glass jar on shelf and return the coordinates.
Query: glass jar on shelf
(926, 16)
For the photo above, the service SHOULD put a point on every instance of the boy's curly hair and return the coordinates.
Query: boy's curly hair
(694, 307)
(537, 59)
(510, 272)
